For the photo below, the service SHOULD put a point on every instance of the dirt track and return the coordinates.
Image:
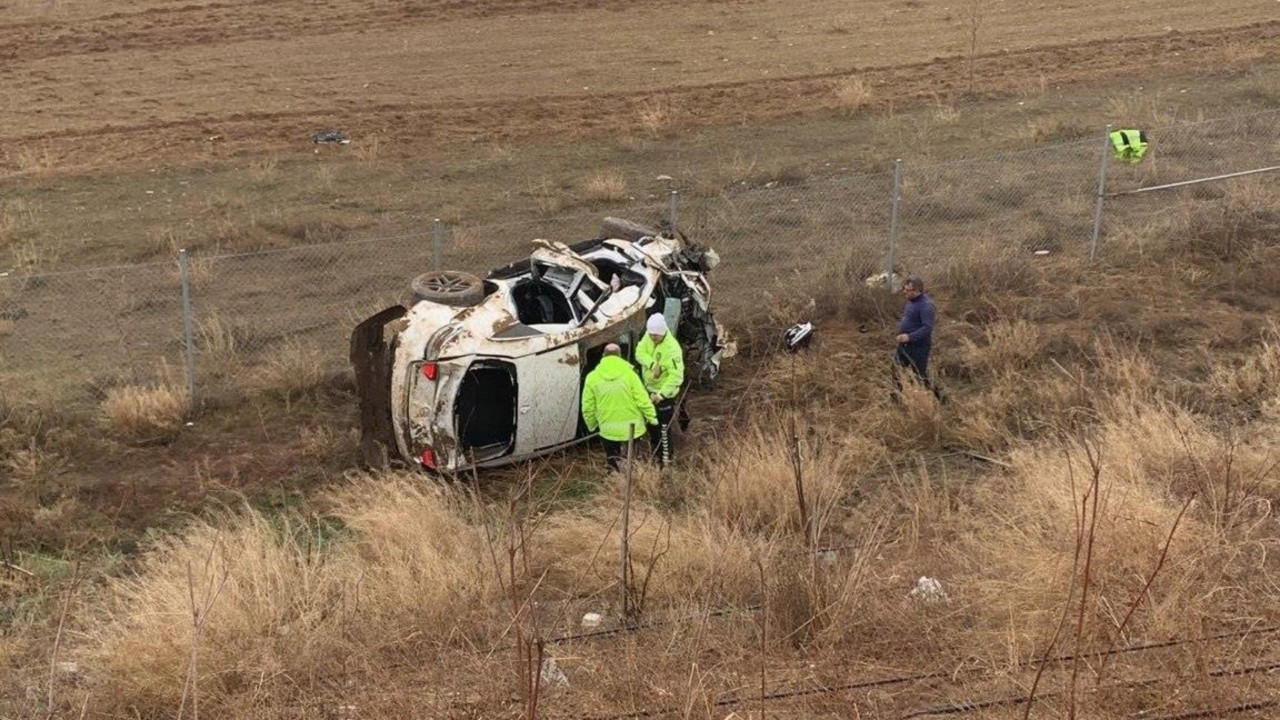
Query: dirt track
(92, 90)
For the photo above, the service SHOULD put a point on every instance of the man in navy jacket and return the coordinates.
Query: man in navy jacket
(915, 336)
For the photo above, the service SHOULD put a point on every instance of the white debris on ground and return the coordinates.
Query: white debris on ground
(929, 590)
(552, 675)
(879, 280)
(591, 620)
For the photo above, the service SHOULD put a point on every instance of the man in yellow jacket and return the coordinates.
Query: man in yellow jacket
(615, 402)
(662, 368)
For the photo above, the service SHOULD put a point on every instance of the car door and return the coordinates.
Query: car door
(550, 398)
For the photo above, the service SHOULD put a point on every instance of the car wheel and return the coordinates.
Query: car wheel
(449, 287)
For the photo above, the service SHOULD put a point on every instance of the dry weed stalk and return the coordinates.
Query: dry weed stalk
(68, 593)
(1090, 535)
(973, 16)
(520, 592)
(797, 468)
(199, 618)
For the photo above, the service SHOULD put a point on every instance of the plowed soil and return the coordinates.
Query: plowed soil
(97, 85)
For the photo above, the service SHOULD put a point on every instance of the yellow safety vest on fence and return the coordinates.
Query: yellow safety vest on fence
(1129, 145)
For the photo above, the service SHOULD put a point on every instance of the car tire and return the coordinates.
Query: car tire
(448, 287)
(625, 229)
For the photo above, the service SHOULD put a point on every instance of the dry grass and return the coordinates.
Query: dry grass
(1255, 380)
(687, 560)
(945, 111)
(548, 197)
(35, 159)
(292, 372)
(145, 413)
(752, 476)
(264, 170)
(219, 345)
(655, 115)
(605, 186)
(290, 599)
(406, 569)
(33, 255)
(16, 217)
(1042, 129)
(1005, 346)
(33, 450)
(851, 94)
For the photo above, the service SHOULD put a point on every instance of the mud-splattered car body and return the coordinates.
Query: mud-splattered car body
(449, 388)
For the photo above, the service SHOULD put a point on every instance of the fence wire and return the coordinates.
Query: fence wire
(73, 335)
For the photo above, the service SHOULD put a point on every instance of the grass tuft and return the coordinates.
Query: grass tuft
(145, 413)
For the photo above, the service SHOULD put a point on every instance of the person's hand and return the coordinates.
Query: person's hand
(902, 338)
(656, 398)
(657, 371)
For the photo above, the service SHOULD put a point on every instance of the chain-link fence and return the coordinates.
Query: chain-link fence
(72, 335)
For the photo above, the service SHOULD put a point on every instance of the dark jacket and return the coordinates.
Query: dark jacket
(918, 317)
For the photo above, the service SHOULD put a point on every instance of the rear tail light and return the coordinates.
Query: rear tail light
(430, 371)
(429, 458)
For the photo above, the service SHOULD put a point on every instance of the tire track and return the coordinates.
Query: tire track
(411, 124)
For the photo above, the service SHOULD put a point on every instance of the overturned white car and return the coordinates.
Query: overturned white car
(480, 372)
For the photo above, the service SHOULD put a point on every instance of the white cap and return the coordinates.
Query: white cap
(657, 325)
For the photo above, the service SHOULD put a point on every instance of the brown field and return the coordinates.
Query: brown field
(91, 86)
(1124, 412)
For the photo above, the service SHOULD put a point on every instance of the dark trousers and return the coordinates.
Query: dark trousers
(661, 441)
(914, 358)
(614, 453)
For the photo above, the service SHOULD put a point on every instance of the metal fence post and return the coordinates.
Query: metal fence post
(1102, 194)
(185, 267)
(673, 207)
(893, 221)
(437, 242)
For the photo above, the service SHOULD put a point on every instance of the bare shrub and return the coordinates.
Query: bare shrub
(143, 413)
(606, 186)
